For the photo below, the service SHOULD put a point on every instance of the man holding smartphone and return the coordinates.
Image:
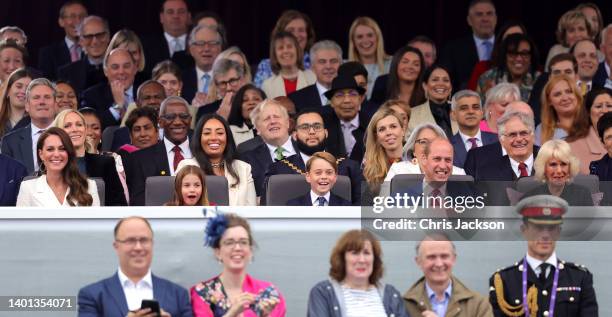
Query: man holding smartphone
(134, 291)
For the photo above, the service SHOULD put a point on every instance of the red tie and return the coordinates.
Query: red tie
(74, 53)
(523, 169)
(178, 157)
(474, 144)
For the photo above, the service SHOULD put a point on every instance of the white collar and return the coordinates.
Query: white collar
(322, 90)
(147, 280)
(528, 162)
(35, 129)
(314, 196)
(534, 263)
(183, 146)
(69, 42)
(354, 122)
(200, 73)
(288, 146)
(170, 38)
(479, 41)
(465, 137)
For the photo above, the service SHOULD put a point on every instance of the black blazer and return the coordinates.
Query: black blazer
(104, 167)
(76, 74)
(306, 97)
(601, 75)
(497, 168)
(208, 108)
(52, 57)
(459, 149)
(100, 98)
(335, 139)
(155, 50)
(346, 167)
(259, 158)
(11, 174)
(379, 90)
(18, 145)
(460, 56)
(334, 200)
(151, 161)
(536, 95)
(190, 84)
(121, 137)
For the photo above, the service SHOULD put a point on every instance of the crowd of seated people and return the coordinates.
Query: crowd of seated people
(137, 106)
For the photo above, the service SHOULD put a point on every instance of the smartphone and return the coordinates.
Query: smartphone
(152, 304)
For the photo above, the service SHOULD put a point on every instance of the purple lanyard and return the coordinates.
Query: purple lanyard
(553, 291)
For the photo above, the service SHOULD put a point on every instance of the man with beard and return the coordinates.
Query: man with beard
(310, 136)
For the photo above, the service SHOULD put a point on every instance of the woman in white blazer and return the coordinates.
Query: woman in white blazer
(286, 60)
(61, 185)
(214, 151)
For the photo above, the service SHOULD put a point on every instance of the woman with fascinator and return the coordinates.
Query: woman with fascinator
(234, 293)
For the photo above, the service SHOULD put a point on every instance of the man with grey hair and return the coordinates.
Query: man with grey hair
(175, 19)
(603, 76)
(163, 158)
(326, 57)
(439, 291)
(13, 33)
(516, 137)
(94, 37)
(466, 109)
(228, 77)
(42, 108)
(205, 44)
(67, 50)
(112, 97)
(271, 120)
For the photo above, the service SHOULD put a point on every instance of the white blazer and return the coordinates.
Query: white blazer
(275, 85)
(243, 193)
(37, 193)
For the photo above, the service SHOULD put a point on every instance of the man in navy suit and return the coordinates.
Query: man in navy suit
(11, 174)
(111, 99)
(272, 123)
(326, 57)
(68, 49)
(94, 37)
(311, 137)
(466, 109)
(603, 76)
(228, 78)
(175, 19)
(461, 55)
(40, 104)
(205, 44)
(321, 174)
(122, 294)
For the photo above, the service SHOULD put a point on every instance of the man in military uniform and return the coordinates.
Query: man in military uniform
(540, 284)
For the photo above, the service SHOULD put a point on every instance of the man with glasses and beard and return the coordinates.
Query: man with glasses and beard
(310, 136)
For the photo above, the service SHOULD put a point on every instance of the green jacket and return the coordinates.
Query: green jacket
(463, 301)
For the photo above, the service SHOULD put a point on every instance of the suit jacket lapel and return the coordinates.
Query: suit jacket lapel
(162, 158)
(159, 291)
(114, 288)
(306, 200)
(460, 152)
(25, 147)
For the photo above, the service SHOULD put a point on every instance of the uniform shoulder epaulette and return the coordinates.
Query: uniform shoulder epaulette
(576, 266)
(510, 267)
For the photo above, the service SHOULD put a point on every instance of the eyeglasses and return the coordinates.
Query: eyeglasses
(131, 242)
(204, 43)
(99, 36)
(172, 116)
(350, 93)
(523, 54)
(232, 82)
(514, 135)
(243, 243)
(317, 127)
(422, 141)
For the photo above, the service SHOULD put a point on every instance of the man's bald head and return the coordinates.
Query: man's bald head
(519, 106)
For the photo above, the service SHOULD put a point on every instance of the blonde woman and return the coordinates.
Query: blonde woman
(234, 53)
(127, 39)
(366, 45)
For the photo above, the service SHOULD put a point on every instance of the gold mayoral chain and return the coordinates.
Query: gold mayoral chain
(299, 170)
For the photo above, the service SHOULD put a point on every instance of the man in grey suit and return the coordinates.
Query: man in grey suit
(466, 109)
(42, 108)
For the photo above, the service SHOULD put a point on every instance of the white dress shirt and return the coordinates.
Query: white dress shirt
(288, 149)
(185, 151)
(36, 132)
(322, 90)
(199, 74)
(481, 49)
(515, 166)
(608, 83)
(535, 263)
(314, 196)
(467, 143)
(136, 292)
(172, 40)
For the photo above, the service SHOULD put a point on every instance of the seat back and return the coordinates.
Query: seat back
(107, 137)
(591, 182)
(159, 190)
(400, 183)
(284, 187)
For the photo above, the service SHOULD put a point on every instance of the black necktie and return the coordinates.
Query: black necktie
(543, 267)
